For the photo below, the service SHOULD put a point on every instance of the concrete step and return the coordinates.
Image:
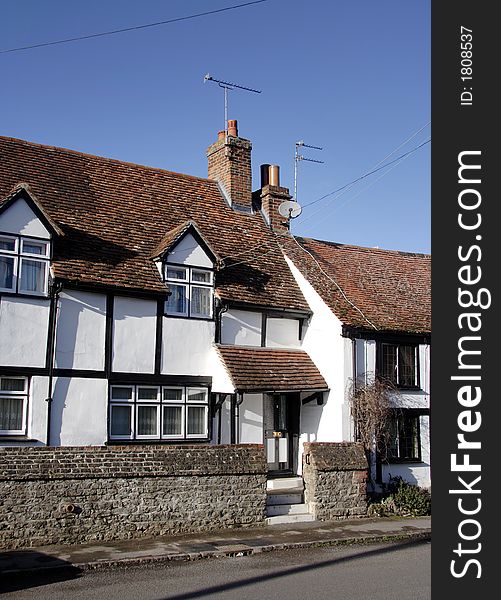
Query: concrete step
(279, 519)
(286, 509)
(284, 498)
(285, 483)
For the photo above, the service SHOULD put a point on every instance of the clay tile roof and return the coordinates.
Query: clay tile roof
(271, 369)
(368, 288)
(114, 215)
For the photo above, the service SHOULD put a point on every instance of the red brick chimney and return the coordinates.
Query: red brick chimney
(270, 196)
(230, 165)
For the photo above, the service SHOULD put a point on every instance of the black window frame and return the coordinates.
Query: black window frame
(406, 420)
(397, 381)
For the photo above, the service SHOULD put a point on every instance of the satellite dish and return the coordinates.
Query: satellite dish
(290, 209)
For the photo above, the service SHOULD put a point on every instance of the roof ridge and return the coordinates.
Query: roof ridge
(358, 247)
(261, 348)
(105, 158)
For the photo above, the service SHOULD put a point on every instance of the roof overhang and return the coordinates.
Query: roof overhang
(23, 191)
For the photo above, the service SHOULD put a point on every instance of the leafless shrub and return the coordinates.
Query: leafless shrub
(370, 402)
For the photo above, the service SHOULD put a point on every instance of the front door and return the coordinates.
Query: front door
(281, 432)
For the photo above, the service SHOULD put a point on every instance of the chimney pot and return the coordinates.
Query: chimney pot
(274, 175)
(232, 127)
(265, 178)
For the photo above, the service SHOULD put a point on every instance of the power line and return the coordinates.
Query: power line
(368, 173)
(333, 207)
(135, 28)
(342, 292)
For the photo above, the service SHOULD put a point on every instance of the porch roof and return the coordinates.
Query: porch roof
(271, 369)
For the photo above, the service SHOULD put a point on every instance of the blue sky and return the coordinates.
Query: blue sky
(352, 76)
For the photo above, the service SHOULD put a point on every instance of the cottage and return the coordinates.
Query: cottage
(142, 306)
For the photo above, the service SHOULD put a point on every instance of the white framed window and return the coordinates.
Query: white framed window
(191, 291)
(145, 412)
(24, 265)
(196, 421)
(122, 412)
(13, 405)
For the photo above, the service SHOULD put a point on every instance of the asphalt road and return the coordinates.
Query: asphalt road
(392, 571)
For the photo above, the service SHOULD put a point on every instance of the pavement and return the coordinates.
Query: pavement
(215, 544)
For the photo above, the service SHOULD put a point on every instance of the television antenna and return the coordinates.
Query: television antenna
(227, 85)
(299, 157)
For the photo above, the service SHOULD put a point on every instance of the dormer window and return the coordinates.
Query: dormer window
(192, 291)
(24, 264)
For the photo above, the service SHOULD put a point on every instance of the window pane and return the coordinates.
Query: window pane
(121, 393)
(176, 303)
(392, 438)
(31, 247)
(201, 276)
(11, 414)
(176, 273)
(201, 301)
(197, 395)
(196, 421)
(147, 420)
(407, 366)
(7, 272)
(172, 420)
(173, 395)
(403, 438)
(33, 275)
(7, 244)
(389, 363)
(147, 393)
(12, 384)
(121, 420)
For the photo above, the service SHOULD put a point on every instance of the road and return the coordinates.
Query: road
(392, 571)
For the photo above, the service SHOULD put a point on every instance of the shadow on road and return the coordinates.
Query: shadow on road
(394, 547)
(46, 570)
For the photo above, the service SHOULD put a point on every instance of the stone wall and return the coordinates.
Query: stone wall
(70, 495)
(335, 480)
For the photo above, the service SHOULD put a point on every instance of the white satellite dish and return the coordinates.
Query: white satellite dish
(290, 209)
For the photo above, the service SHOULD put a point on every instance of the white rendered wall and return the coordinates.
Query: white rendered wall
(186, 345)
(188, 252)
(282, 333)
(24, 324)
(21, 220)
(322, 340)
(251, 419)
(79, 412)
(134, 334)
(81, 326)
(241, 327)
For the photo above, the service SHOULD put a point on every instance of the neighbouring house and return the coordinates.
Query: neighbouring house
(141, 306)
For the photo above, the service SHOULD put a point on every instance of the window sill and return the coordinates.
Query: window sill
(11, 294)
(405, 461)
(186, 317)
(16, 438)
(183, 441)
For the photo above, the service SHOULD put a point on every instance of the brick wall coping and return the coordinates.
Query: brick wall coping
(335, 456)
(104, 462)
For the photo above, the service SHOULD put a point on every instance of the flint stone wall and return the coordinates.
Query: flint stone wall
(335, 480)
(71, 495)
